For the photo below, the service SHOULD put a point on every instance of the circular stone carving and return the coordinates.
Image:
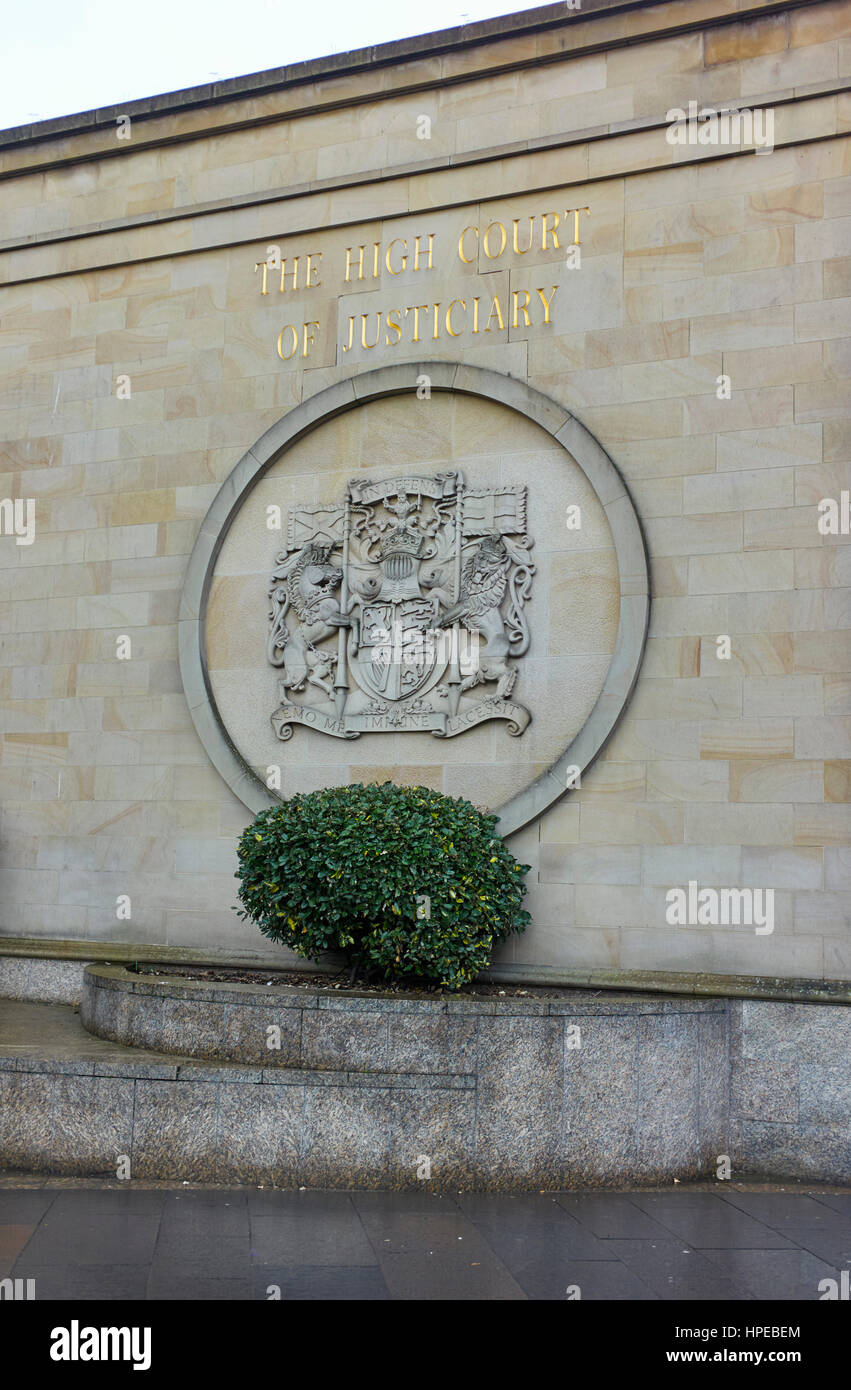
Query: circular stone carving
(223, 691)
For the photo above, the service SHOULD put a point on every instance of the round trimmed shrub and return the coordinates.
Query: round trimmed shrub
(404, 881)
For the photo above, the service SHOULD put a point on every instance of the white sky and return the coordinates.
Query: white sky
(62, 56)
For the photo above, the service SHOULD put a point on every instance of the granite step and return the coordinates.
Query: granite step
(72, 1103)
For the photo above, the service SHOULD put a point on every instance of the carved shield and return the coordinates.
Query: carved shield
(399, 653)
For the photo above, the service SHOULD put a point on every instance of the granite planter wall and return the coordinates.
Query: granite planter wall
(293, 1086)
(494, 1092)
(790, 1095)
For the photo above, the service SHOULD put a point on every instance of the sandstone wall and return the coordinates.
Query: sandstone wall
(137, 258)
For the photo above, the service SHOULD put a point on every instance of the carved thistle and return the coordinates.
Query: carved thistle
(402, 609)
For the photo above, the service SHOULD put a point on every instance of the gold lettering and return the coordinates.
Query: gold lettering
(317, 256)
(475, 315)
(416, 308)
(495, 309)
(549, 231)
(525, 248)
(284, 275)
(265, 265)
(364, 318)
(285, 356)
(376, 247)
(547, 301)
(496, 254)
(397, 241)
(361, 249)
(463, 304)
(347, 347)
(468, 260)
(307, 339)
(397, 329)
(436, 333)
(523, 308)
(576, 212)
(417, 251)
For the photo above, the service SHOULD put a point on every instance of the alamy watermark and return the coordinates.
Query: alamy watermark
(721, 907)
(17, 518)
(835, 515)
(723, 125)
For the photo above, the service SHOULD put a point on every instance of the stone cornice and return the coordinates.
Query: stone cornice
(444, 57)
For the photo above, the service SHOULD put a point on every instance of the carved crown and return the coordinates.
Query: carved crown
(400, 541)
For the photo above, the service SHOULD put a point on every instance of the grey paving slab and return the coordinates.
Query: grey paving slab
(211, 1245)
(314, 1239)
(307, 1202)
(303, 1282)
(92, 1241)
(719, 1228)
(840, 1202)
(561, 1238)
(113, 1282)
(673, 1199)
(567, 1279)
(831, 1244)
(610, 1216)
(782, 1209)
(74, 1238)
(444, 1233)
(174, 1285)
(110, 1201)
(222, 1198)
(421, 1277)
(774, 1274)
(422, 1201)
(24, 1206)
(675, 1271)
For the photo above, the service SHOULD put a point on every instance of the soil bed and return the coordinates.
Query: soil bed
(313, 980)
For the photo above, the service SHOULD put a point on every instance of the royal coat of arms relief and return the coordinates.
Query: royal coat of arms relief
(402, 608)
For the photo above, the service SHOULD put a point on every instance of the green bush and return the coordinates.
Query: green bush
(406, 882)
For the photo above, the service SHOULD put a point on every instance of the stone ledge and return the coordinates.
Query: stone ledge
(699, 985)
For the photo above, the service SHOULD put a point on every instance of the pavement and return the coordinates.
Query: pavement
(86, 1239)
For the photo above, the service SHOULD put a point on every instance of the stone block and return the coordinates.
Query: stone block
(26, 1121)
(434, 1044)
(92, 1124)
(779, 1151)
(713, 1089)
(350, 1041)
(436, 1125)
(259, 1129)
(246, 1036)
(345, 1137)
(598, 1135)
(667, 1122)
(765, 1090)
(518, 1100)
(191, 1026)
(175, 1130)
(825, 1093)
